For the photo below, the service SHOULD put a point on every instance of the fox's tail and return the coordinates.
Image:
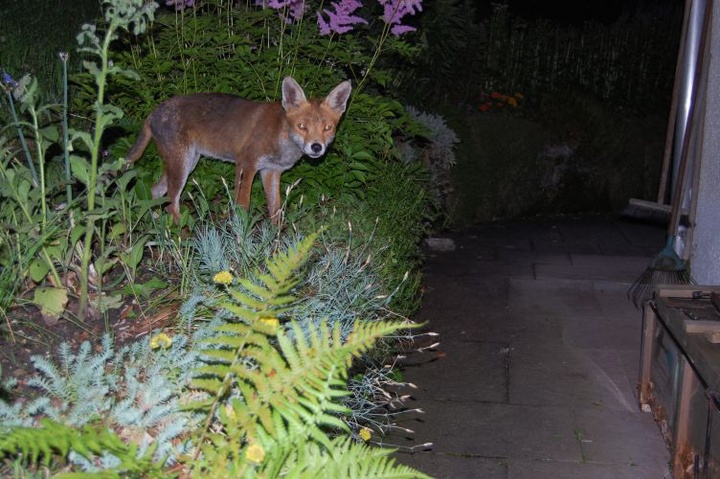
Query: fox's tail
(138, 148)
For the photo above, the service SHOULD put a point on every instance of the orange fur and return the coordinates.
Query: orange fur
(258, 137)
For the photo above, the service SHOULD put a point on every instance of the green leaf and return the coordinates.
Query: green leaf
(77, 232)
(52, 303)
(51, 133)
(133, 257)
(83, 136)
(80, 169)
(104, 303)
(360, 155)
(23, 187)
(38, 270)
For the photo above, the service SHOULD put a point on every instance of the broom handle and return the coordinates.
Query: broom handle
(672, 117)
(697, 74)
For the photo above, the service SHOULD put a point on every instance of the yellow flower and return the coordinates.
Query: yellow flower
(365, 433)
(512, 101)
(255, 453)
(223, 277)
(160, 340)
(271, 323)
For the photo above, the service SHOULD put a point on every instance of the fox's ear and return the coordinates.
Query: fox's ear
(338, 97)
(292, 95)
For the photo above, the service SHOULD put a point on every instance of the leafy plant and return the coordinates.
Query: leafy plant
(253, 426)
(120, 15)
(265, 364)
(60, 237)
(256, 47)
(53, 439)
(301, 319)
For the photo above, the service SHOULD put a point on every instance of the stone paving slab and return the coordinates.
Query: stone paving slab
(622, 269)
(483, 364)
(495, 430)
(621, 437)
(602, 331)
(536, 372)
(617, 370)
(524, 469)
(554, 375)
(511, 256)
(452, 466)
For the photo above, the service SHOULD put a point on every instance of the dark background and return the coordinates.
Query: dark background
(572, 12)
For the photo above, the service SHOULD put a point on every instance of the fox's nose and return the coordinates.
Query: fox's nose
(316, 148)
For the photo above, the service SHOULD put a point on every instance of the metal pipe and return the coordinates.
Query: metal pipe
(688, 75)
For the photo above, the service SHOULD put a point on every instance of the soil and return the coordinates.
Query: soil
(26, 333)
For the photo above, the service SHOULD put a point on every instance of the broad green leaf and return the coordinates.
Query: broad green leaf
(82, 136)
(52, 303)
(137, 251)
(38, 270)
(51, 133)
(80, 169)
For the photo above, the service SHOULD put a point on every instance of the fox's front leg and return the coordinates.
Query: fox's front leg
(271, 185)
(243, 185)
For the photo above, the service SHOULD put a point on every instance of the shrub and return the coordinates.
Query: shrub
(264, 388)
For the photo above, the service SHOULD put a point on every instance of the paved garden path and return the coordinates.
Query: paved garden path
(536, 373)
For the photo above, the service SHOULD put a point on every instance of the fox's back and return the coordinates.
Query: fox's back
(217, 113)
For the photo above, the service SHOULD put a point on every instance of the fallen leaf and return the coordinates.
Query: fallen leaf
(52, 303)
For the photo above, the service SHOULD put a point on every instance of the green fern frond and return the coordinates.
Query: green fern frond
(303, 380)
(235, 343)
(355, 461)
(343, 457)
(52, 439)
(280, 381)
(317, 368)
(268, 295)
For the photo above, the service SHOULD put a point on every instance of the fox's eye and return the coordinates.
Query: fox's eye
(301, 126)
(328, 127)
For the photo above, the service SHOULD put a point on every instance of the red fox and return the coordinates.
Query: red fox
(256, 136)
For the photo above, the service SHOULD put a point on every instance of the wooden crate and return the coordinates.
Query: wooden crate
(680, 370)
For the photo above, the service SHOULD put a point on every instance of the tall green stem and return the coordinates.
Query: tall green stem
(21, 136)
(383, 37)
(66, 141)
(95, 154)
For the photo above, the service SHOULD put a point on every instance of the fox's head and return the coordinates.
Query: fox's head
(312, 122)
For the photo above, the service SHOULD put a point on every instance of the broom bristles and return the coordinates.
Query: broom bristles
(643, 287)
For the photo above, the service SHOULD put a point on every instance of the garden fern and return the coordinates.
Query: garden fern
(272, 391)
(52, 439)
(276, 389)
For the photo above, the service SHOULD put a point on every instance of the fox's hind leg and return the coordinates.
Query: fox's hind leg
(160, 188)
(178, 166)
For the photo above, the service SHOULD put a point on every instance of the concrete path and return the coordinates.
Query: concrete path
(536, 373)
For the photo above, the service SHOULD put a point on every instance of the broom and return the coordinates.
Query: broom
(667, 267)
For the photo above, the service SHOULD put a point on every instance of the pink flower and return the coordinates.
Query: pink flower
(342, 19)
(295, 8)
(395, 10)
(180, 4)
